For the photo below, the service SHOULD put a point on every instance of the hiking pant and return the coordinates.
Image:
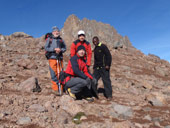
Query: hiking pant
(105, 74)
(55, 67)
(76, 84)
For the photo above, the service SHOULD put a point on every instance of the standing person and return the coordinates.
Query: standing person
(55, 47)
(102, 63)
(81, 41)
(78, 78)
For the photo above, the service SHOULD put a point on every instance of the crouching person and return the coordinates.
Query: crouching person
(78, 79)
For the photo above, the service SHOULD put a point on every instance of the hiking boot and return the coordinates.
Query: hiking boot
(90, 99)
(71, 94)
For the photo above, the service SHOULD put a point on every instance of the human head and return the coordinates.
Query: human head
(55, 31)
(81, 35)
(95, 40)
(81, 51)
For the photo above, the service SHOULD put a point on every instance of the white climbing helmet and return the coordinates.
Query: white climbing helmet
(81, 32)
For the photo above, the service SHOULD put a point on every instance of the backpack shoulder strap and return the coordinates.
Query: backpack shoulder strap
(76, 41)
(48, 35)
(86, 42)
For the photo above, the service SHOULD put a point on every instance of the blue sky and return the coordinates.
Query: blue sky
(145, 22)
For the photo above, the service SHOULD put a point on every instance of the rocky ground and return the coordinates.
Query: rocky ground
(140, 83)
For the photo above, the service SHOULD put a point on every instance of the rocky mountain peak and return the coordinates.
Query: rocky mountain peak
(105, 32)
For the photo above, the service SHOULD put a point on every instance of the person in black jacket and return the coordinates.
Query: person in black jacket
(102, 63)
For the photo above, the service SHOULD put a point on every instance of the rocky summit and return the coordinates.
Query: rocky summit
(107, 33)
(140, 83)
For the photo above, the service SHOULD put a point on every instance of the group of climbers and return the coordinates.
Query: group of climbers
(77, 80)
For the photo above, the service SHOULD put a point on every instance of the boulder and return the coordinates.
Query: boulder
(27, 85)
(148, 117)
(36, 108)
(24, 121)
(69, 105)
(64, 117)
(123, 111)
(27, 64)
(147, 85)
(156, 99)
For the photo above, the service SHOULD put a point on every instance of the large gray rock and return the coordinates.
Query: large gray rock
(123, 111)
(36, 108)
(156, 99)
(69, 105)
(27, 64)
(148, 117)
(27, 85)
(64, 117)
(24, 120)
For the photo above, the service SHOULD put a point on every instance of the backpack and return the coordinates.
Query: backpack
(62, 77)
(48, 35)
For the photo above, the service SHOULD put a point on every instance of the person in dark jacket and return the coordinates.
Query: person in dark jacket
(55, 47)
(78, 77)
(102, 63)
(81, 41)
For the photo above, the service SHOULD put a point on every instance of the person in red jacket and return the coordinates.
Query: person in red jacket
(81, 41)
(78, 77)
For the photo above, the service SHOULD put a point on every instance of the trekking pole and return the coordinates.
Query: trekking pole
(58, 73)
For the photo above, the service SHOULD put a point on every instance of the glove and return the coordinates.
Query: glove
(88, 83)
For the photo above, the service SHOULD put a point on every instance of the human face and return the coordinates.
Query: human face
(81, 37)
(56, 33)
(95, 41)
(81, 53)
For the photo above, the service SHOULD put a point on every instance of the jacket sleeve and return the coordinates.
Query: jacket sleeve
(108, 57)
(73, 50)
(63, 47)
(76, 69)
(87, 73)
(94, 65)
(89, 55)
(48, 46)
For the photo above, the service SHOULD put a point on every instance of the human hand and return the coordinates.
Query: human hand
(88, 82)
(94, 81)
(107, 68)
(58, 50)
(88, 67)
